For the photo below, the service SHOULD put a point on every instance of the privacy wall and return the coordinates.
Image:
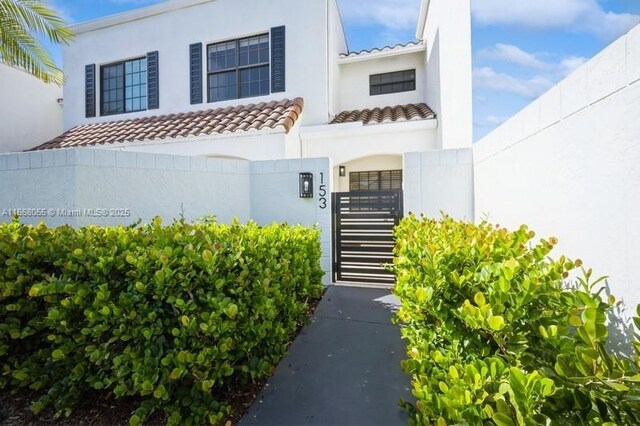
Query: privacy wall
(105, 187)
(439, 182)
(275, 197)
(568, 165)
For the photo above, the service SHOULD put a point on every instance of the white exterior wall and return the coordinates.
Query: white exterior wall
(354, 81)
(373, 163)
(29, 112)
(149, 185)
(337, 45)
(208, 22)
(569, 166)
(437, 182)
(275, 198)
(169, 186)
(447, 34)
(248, 146)
(347, 142)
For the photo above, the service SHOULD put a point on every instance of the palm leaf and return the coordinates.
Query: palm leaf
(20, 22)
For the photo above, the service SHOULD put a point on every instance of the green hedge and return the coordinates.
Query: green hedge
(177, 315)
(495, 336)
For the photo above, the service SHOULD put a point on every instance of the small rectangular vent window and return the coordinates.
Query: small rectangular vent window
(392, 82)
(375, 181)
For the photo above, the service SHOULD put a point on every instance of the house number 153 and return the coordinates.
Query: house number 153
(322, 192)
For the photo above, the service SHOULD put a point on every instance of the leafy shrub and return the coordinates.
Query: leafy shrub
(174, 314)
(495, 335)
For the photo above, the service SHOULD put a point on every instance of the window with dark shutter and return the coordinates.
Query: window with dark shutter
(195, 73)
(153, 81)
(124, 87)
(278, 59)
(90, 90)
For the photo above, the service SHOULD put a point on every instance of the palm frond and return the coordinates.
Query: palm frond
(20, 22)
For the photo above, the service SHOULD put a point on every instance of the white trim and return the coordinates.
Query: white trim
(360, 129)
(422, 18)
(134, 15)
(383, 54)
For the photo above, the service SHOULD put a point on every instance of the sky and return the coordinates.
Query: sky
(520, 48)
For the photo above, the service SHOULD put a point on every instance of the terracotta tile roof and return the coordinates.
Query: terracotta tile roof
(253, 117)
(410, 112)
(380, 49)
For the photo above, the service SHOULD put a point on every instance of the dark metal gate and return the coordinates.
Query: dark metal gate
(363, 225)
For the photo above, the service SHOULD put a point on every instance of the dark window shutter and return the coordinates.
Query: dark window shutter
(195, 73)
(278, 59)
(90, 90)
(153, 81)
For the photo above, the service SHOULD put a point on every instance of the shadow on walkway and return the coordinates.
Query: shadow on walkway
(343, 369)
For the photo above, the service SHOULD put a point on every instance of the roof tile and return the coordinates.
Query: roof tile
(253, 117)
(399, 113)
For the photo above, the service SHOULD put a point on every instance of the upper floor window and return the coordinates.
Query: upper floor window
(238, 68)
(392, 82)
(124, 86)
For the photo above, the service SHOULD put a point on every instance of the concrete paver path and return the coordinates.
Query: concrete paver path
(343, 368)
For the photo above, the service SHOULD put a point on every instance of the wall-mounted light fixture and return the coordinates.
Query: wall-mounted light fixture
(306, 185)
(343, 171)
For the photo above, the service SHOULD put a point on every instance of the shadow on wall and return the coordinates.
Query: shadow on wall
(621, 329)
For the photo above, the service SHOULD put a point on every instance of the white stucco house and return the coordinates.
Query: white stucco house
(189, 108)
(205, 78)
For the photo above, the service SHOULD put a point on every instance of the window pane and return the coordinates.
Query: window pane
(110, 89)
(230, 74)
(223, 86)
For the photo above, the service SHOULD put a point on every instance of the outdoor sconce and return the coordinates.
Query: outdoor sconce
(343, 171)
(306, 185)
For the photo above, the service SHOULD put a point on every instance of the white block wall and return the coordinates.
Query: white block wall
(568, 165)
(148, 185)
(439, 181)
(275, 198)
(151, 185)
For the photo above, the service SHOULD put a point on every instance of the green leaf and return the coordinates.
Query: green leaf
(424, 294)
(496, 323)
(232, 311)
(479, 299)
(502, 419)
(207, 255)
(57, 355)
(617, 386)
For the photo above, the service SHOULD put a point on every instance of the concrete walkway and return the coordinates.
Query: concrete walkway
(343, 369)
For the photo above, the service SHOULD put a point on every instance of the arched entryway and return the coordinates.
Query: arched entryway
(368, 204)
(377, 172)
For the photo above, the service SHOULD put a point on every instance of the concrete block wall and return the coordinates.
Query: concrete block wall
(568, 166)
(106, 187)
(275, 198)
(614, 69)
(439, 181)
(147, 185)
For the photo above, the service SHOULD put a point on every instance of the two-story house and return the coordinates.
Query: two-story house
(257, 80)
